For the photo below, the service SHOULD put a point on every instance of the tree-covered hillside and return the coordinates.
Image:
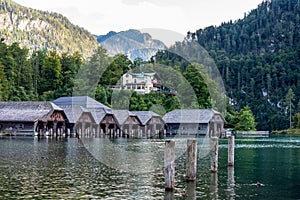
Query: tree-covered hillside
(259, 60)
(39, 30)
(47, 75)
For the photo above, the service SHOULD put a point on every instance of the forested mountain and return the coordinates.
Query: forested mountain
(39, 30)
(259, 60)
(132, 43)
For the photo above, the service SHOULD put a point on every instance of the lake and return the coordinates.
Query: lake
(99, 168)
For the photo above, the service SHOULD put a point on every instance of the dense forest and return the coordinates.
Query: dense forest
(47, 75)
(258, 57)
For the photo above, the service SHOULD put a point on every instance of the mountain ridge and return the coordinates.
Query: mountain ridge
(132, 43)
(40, 30)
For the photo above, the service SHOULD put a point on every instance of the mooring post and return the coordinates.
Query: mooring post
(214, 147)
(191, 161)
(231, 150)
(169, 165)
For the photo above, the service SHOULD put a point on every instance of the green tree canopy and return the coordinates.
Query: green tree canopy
(289, 98)
(246, 120)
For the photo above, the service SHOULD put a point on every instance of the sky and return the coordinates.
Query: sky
(99, 16)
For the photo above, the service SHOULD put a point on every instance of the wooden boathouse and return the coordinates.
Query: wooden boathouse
(105, 121)
(29, 118)
(152, 124)
(80, 120)
(194, 122)
(129, 124)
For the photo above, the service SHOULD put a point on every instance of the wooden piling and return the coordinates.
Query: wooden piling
(169, 165)
(231, 150)
(191, 161)
(214, 147)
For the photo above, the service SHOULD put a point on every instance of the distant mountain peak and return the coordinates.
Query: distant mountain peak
(132, 43)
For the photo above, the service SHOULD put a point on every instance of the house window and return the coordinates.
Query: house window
(134, 80)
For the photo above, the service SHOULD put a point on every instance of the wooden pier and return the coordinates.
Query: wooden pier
(252, 134)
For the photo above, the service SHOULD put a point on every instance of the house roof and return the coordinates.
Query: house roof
(84, 101)
(190, 116)
(122, 115)
(27, 111)
(145, 116)
(142, 75)
(73, 112)
(97, 109)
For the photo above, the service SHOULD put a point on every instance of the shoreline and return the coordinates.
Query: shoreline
(290, 132)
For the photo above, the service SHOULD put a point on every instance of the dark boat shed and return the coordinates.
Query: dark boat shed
(28, 118)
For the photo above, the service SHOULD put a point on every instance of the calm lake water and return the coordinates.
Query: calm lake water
(133, 169)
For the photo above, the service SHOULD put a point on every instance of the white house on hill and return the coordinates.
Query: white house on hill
(142, 83)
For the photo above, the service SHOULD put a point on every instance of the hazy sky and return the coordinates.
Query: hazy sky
(100, 17)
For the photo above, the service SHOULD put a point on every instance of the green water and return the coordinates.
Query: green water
(32, 168)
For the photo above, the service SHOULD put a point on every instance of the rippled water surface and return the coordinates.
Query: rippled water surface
(32, 168)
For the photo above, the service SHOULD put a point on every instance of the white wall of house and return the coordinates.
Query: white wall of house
(140, 82)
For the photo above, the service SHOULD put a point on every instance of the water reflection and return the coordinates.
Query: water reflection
(230, 183)
(214, 186)
(169, 195)
(132, 156)
(59, 168)
(190, 190)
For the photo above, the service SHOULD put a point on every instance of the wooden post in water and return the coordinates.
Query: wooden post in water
(231, 150)
(169, 165)
(191, 161)
(214, 147)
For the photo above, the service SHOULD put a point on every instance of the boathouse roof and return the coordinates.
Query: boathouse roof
(84, 101)
(27, 111)
(97, 109)
(98, 113)
(74, 112)
(198, 116)
(145, 116)
(122, 115)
